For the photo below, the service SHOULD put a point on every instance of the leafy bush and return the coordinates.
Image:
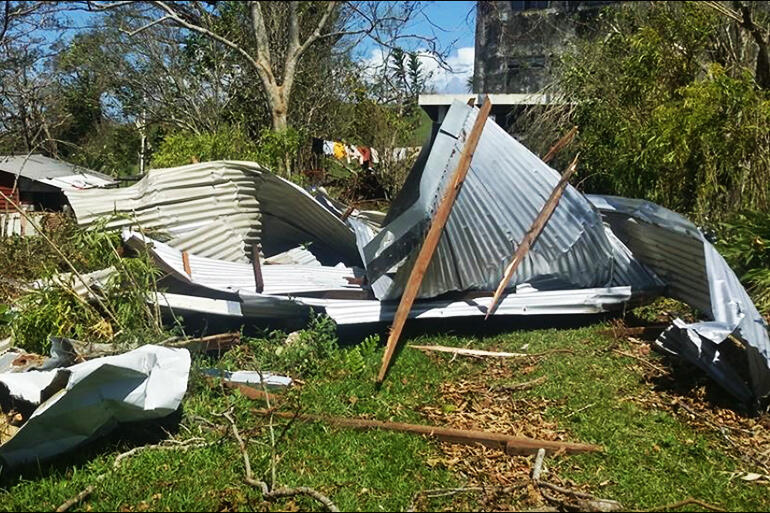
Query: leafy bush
(663, 115)
(278, 149)
(745, 244)
(181, 148)
(119, 313)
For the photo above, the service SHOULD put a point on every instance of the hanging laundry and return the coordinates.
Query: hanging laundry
(339, 150)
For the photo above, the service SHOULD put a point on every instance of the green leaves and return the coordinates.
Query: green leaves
(662, 119)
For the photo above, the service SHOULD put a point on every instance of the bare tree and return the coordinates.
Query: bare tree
(744, 14)
(281, 34)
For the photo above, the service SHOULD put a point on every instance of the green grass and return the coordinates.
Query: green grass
(651, 457)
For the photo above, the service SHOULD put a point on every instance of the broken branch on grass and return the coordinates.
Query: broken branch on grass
(76, 499)
(642, 360)
(444, 492)
(468, 352)
(517, 387)
(88, 490)
(280, 492)
(538, 467)
(480, 353)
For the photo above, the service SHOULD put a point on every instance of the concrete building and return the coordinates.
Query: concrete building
(516, 42)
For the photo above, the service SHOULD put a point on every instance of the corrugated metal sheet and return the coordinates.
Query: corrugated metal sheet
(56, 173)
(283, 279)
(221, 209)
(506, 187)
(694, 272)
(527, 302)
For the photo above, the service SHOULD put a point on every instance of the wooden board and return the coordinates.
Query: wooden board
(509, 444)
(432, 238)
(531, 236)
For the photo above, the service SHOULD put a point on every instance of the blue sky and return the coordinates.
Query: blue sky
(454, 25)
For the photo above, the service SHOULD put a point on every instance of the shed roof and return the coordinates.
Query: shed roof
(53, 172)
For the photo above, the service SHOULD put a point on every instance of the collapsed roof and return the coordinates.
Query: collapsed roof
(596, 253)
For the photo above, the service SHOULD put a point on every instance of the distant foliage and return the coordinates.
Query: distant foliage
(181, 148)
(665, 114)
(745, 244)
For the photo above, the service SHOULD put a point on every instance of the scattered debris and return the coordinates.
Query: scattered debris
(70, 405)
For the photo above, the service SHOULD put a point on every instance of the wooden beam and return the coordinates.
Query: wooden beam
(531, 236)
(509, 444)
(433, 237)
(561, 143)
(259, 282)
(186, 263)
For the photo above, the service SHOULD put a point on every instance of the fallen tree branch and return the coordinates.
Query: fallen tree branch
(639, 359)
(280, 492)
(464, 351)
(517, 387)
(468, 352)
(88, 490)
(76, 499)
(445, 492)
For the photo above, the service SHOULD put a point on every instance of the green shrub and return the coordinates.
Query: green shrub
(120, 313)
(181, 148)
(663, 116)
(745, 244)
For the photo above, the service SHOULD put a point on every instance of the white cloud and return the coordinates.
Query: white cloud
(452, 80)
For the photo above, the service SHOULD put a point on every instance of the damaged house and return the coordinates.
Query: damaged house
(237, 241)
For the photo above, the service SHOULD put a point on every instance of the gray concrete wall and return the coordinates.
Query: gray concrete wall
(516, 41)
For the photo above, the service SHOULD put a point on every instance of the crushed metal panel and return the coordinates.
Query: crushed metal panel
(527, 301)
(506, 187)
(285, 279)
(76, 403)
(696, 273)
(221, 209)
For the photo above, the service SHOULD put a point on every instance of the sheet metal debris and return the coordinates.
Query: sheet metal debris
(596, 254)
(694, 272)
(74, 404)
(221, 209)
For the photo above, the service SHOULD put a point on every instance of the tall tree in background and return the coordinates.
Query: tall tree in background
(281, 33)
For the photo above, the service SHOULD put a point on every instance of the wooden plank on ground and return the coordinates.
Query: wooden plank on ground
(433, 237)
(468, 352)
(531, 236)
(509, 444)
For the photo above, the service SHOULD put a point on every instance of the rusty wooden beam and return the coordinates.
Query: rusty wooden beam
(531, 236)
(433, 237)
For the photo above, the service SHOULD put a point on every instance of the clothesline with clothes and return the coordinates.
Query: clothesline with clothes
(365, 156)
